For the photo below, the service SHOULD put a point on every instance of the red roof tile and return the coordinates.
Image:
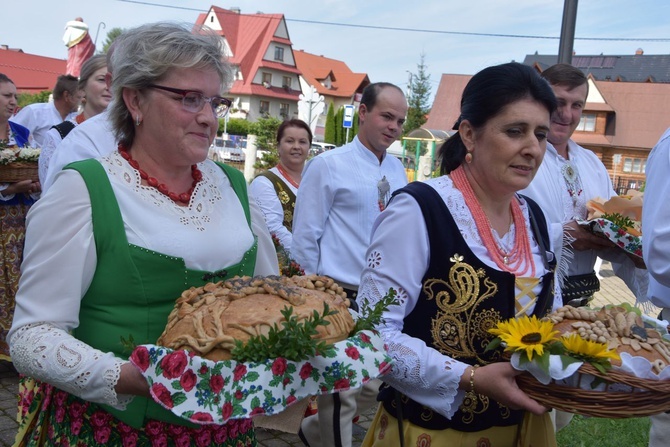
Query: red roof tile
(317, 68)
(249, 36)
(31, 73)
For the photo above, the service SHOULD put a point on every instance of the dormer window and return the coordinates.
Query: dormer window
(279, 54)
(267, 80)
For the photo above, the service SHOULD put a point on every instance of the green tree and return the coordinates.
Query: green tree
(339, 130)
(265, 130)
(418, 97)
(111, 35)
(329, 131)
(236, 126)
(31, 98)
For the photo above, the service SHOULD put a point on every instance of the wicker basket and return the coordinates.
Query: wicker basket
(18, 171)
(646, 397)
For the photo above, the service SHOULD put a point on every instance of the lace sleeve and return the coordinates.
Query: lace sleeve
(49, 354)
(419, 371)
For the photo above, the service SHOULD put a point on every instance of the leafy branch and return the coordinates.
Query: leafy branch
(294, 341)
(370, 318)
(623, 222)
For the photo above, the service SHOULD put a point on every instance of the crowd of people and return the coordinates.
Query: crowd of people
(128, 211)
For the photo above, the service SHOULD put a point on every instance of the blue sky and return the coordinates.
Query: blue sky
(385, 55)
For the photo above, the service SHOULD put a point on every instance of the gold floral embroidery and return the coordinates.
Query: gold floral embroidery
(283, 197)
(460, 327)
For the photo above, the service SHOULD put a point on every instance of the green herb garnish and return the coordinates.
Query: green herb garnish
(623, 222)
(371, 317)
(294, 341)
(129, 345)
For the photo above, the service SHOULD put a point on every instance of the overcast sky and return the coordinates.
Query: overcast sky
(464, 37)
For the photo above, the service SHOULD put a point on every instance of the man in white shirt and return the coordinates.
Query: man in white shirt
(568, 178)
(656, 252)
(341, 194)
(40, 117)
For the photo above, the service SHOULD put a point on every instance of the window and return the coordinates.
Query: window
(283, 110)
(587, 123)
(264, 107)
(267, 79)
(636, 165)
(286, 82)
(279, 54)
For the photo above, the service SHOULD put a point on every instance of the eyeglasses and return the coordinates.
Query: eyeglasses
(193, 101)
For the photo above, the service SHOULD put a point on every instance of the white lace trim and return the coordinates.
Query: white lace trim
(50, 354)
(206, 194)
(410, 371)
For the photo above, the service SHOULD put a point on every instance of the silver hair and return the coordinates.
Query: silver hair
(148, 53)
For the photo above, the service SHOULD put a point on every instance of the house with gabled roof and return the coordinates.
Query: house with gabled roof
(621, 122)
(29, 72)
(638, 67)
(331, 79)
(259, 48)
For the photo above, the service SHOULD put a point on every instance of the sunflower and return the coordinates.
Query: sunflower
(589, 351)
(525, 334)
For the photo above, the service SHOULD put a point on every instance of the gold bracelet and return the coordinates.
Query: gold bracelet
(472, 379)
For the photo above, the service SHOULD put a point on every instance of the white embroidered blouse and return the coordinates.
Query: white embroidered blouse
(398, 258)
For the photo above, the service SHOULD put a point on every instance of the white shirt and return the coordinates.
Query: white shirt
(51, 141)
(266, 197)
(39, 118)
(656, 222)
(549, 189)
(93, 138)
(398, 258)
(59, 264)
(337, 204)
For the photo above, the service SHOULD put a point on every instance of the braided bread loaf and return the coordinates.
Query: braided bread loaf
(209, 319)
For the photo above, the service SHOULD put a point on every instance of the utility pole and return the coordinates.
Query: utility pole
(565, 47)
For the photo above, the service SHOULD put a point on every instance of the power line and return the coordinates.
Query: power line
(419, 30)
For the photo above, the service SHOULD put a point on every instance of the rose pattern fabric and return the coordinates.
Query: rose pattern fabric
(208, 392)
(628, 242)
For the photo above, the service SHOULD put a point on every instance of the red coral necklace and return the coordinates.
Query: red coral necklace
(520, 255)
(184, 197)
(287, 177)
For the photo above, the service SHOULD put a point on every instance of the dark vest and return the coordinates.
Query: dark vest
(285, 196)
(462, 298)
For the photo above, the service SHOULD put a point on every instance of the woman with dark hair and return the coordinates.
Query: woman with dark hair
(135, 228)
(480, 255)
(276, 188)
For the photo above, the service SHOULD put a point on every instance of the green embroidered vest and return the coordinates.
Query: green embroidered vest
(134, 289)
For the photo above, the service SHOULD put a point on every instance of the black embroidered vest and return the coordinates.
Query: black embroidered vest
(460, 300)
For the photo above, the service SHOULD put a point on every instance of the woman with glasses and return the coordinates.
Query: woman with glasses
(135, 228)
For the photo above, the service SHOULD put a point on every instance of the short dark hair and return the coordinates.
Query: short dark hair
(565, 74)
(4, 78)
(371, 93)
(486, 95)
(65, 83)
(293, 123)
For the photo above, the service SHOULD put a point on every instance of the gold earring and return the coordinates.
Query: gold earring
(468, 157)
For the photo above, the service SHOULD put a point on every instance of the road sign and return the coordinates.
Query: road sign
(348, 120)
